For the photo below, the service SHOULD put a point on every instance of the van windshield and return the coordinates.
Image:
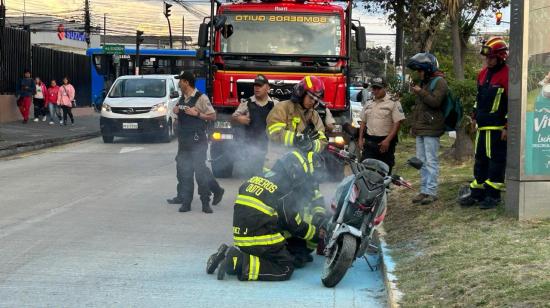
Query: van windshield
(139, 88)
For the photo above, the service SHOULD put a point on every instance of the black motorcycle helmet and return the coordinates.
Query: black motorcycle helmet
(424, 61)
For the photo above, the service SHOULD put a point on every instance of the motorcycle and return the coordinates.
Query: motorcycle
(359, 206)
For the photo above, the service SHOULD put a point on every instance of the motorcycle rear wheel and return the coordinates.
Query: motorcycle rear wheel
(338, 262)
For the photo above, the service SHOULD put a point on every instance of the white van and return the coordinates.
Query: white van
(139, 105)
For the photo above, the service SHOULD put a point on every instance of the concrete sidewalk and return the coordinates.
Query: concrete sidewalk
(16, 137)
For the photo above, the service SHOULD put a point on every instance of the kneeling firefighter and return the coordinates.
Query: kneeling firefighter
(266, 207)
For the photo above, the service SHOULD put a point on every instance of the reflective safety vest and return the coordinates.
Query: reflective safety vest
(263, 211)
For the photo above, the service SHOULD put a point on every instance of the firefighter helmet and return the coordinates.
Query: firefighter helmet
(309, 84)
(298, 167)
(495, 47)
(424, 61)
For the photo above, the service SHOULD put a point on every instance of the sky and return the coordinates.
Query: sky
(126, 16)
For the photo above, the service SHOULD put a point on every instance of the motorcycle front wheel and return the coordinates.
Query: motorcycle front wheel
(340, 259)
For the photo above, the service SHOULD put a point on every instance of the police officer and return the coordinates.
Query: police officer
(380, 122)
(294, 123)
(193, 111)
(266, 206)
(490, 114)
(252, 113)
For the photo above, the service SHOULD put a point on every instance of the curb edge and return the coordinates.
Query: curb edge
(388, 267)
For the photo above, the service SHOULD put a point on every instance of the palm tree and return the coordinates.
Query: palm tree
(454, 8)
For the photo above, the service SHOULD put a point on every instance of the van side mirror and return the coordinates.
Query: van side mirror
(361, 38)
(202, 40)
(174, 94)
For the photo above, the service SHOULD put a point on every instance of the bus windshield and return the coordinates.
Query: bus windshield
(139, 88)
(292, 34)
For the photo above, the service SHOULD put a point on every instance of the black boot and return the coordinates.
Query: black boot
(231, 264)
(489, 203)
(218, 196)
(216, 259)
(175, 200)
(186, 207)
(206, 208)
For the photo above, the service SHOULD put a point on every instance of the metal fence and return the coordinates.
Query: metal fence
(51, 64)
(15, 57)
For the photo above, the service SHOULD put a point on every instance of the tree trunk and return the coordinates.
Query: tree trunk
(399, 32)
(458, 67)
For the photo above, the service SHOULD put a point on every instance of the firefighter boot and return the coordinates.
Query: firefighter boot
(216, 259)
(218, 196)
(231, 264)
(185, 207)
(206, 208)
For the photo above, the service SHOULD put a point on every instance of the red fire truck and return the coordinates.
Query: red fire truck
(285, 40)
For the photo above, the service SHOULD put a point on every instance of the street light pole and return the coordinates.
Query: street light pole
(183, 31)
(104, 28)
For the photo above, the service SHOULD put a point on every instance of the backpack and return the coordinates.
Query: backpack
(452, 108)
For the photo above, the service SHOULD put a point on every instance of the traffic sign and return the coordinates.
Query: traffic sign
(113, 49)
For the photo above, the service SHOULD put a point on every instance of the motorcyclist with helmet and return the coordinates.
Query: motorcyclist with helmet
(428, 122)
(294, 123)
(265, 207)
(490, 114)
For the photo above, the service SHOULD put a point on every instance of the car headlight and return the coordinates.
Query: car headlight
(105, 107)
(159, 107)
(222, 125)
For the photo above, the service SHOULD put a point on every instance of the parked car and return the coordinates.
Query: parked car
(140, 105)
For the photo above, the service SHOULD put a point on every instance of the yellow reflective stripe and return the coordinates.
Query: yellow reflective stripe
(255, 204)
(261, 240)
(310, 161)
(298, 219)
(318, 210)
(476, 185)
(295, 122)
(308, 81)
(310, 232)
(488, 143)
(322, 135)
(496, 102)
(275, 127)
(289, 139)
(274, 130)
(476, 142)
(497, 186)
(254, 268)
(308, 218)
(287, 234)
(316, 146)
(301, 159)
(492, 128)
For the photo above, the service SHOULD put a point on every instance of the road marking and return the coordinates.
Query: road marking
(130, 149)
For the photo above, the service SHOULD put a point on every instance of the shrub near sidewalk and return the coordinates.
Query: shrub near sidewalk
(448, 256)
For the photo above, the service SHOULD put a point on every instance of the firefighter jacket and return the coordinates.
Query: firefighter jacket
(265, 207)
(287, 119)
(491, 108)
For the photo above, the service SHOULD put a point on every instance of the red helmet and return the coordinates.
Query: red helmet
(495, 47)
(309, 84)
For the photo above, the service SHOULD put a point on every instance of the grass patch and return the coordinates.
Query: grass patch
(448, 256)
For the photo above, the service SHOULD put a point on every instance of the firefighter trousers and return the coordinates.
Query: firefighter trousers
(490, 164)
(258, 263)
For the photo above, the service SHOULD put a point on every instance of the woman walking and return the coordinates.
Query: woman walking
(65, 100)
(51, 102)
(39, 100)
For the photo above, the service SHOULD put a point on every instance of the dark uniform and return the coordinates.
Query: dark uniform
(192, 148)
(254, 133)
(265, 208)
(490, 113)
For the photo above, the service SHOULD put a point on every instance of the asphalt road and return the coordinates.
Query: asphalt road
(86, 224)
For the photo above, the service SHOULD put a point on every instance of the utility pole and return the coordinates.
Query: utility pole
(87, 21)
(104, 28)
(2, 25)
(183, 31)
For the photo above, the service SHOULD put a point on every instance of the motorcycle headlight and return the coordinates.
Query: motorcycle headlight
(222, 125)
(105, 107)
(159, 107)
